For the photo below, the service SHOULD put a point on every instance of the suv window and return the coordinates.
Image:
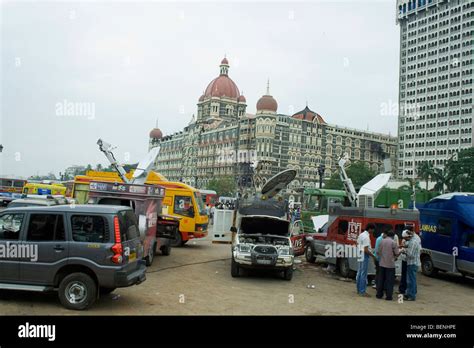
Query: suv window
(46, 227)
(183, 205)
(89, 228)
(10, 226)
(342, 227)
(379, 228)
(128, 225)
(444, 227)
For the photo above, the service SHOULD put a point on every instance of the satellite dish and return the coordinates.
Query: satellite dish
(145, 165)
(278, 182)
(375, 185)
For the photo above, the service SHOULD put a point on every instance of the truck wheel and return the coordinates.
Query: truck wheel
(234, 269)
(106, 291)
(151, 255)
(344, 268)
(178, 240)
(309, 254)
(427, 266)
(77, 291)
(288, 273)
(166, 250)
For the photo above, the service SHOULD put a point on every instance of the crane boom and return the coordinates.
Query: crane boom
(346, 181)
(107, 148)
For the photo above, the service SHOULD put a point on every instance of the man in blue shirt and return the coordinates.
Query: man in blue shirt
(376, 257)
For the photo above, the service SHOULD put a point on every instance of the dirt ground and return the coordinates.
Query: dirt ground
(196, 280)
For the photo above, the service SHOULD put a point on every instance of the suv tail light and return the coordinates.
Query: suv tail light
(117, 247)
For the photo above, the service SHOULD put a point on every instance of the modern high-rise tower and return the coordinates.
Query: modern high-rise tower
(435, 91)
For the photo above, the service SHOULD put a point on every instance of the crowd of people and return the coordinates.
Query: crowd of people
(385, 253)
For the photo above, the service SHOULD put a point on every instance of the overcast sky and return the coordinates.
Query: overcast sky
(130, 64)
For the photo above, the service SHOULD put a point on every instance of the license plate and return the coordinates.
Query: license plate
(132, 256)
(264, 262)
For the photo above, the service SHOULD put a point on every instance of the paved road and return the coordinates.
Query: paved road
(196, 279)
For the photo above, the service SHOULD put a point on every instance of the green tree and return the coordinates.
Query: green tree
(358, 172)
(425, 172)
(224, 186)
(459, 172)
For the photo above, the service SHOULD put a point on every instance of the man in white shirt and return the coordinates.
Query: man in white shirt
(363, 245)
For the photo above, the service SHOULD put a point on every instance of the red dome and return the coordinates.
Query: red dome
(267, 103)
(156, 133)
(222, 86)
(241, 99)
(225, 61)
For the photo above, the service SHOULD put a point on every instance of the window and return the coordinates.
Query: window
(46, 227)
(183, 205)
(128, 225)
(89, 229)
(10, 226)
(342, 227)
(444, 227)
(379, 228)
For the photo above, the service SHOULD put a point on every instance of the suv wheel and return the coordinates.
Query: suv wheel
(234, 269)
(166, 250)
(344, 268)
(77, 291)
(288, 273)
(427, 266)
(151, 255)
(309, 254)
(178, 240)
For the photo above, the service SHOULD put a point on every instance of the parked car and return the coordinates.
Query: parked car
(81, 251)
(38, 200)
(263, 242)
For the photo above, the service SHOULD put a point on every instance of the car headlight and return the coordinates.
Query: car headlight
(284, 251)
(244, 248)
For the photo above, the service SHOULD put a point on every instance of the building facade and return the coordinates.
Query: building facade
(224, 140)
(435, 92)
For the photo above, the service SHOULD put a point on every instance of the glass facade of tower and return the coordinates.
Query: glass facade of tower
(435, 92)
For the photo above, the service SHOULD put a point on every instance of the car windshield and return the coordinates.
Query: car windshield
(200, 203)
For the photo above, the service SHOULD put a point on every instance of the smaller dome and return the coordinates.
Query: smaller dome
(241, 99)
(201, 98)
(156, 133)
(225, 61)
(267, 103)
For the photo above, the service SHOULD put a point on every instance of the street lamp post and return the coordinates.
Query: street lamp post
(321, 169)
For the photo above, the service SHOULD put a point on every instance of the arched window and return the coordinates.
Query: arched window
(329, 150)
(329, 138)
(339, 140)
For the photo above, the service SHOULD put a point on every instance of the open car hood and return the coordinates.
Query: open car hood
(265, 225)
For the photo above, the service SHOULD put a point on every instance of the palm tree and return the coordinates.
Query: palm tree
(425, 172)
(441, 177)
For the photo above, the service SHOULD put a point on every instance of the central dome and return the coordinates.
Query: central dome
(222, 86)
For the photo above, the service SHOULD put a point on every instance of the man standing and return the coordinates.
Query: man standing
(387, 252)
(402, 287)
(376, 256)
(363, 247)
(413, 262)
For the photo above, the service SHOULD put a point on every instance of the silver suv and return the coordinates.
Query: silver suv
(81, 251)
